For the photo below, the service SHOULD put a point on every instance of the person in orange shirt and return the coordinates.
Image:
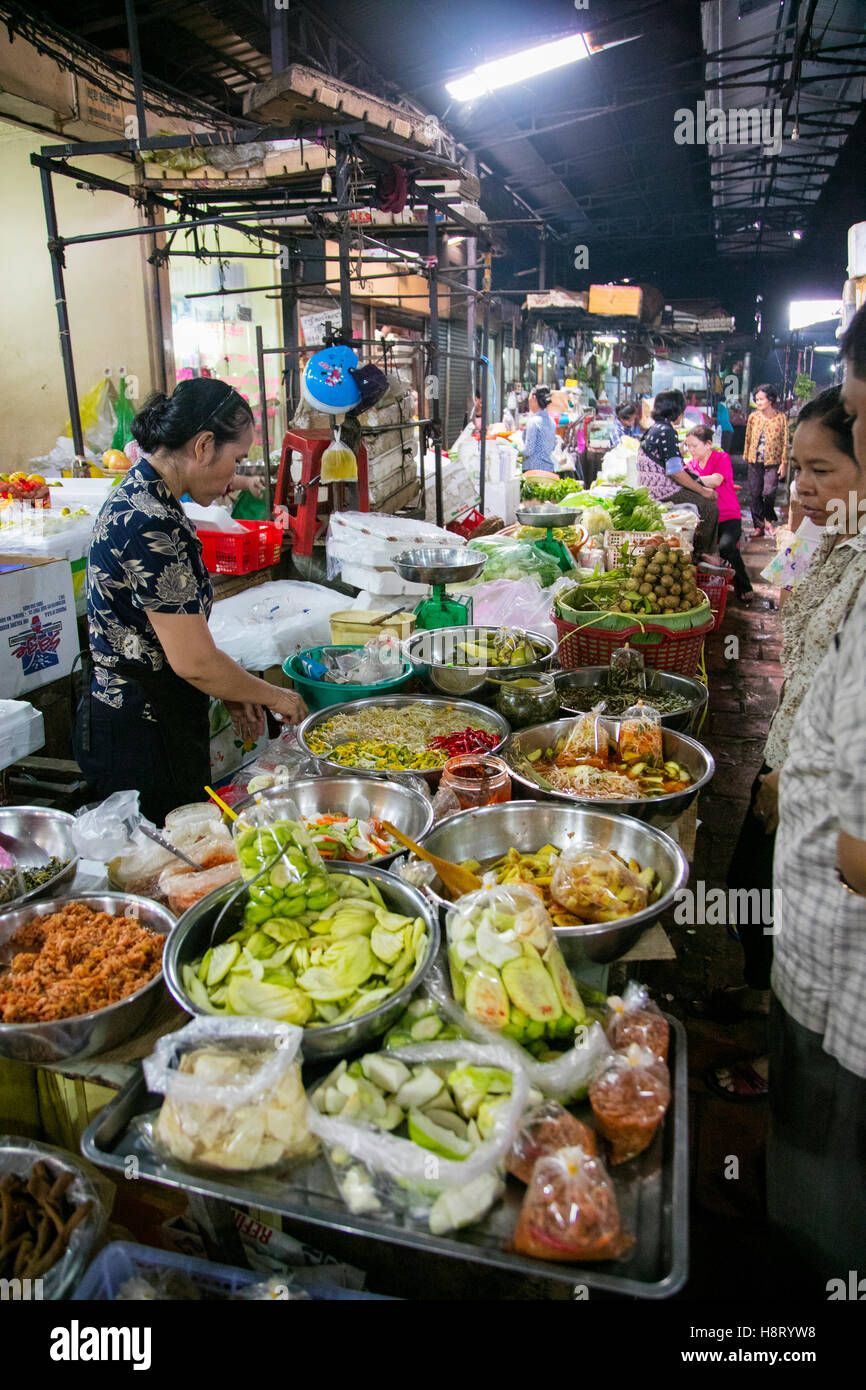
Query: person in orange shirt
(766, 453)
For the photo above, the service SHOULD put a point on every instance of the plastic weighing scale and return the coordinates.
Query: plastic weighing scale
(549, 517)
(439, 566)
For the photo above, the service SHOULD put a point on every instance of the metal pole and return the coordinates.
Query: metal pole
(135, 64)
(485, 377)
(472, 285)
(157, 307)
(542, 260)
(263, 400)
(433, 370)
(57, 263)
(291, 371)
(342, 176)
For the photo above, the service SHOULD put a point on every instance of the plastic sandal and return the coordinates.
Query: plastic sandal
(749, 1085)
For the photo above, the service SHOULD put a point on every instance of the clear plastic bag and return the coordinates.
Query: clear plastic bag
(338, 463)
(276, 850)
(595, 886)
(636, 1019)
(640, 736)
(181, 890)
(628, 663)
(234, 1099)
(379, 660)
(74, 1246)
(563, 1076)
(105, 831)
(545, 1130)
(193, 821)
(587, 739)
(507, 970)
(570, 1211)
(375, 1169)
(629, 1099)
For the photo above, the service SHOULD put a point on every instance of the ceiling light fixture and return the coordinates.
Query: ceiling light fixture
(530, 62)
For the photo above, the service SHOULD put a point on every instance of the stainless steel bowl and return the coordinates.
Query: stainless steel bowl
(678, 747)
(191, 938)
(48, 829)
(437, 564)
(693, 690)
(86, 1034)
(437, 659)
(545, 514)
(489, 833)
(407, 809)
(476, 715)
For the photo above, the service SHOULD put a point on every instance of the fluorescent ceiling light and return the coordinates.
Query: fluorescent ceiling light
(803, 312)
(826, 349)
(504, 72)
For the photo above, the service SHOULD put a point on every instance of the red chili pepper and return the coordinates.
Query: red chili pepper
(466, 741)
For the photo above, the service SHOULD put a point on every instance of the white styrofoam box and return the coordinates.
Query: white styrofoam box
(857, 249)
(38, 631)
(22, 730)
(379, 582)
(376, 540)
(81, 492)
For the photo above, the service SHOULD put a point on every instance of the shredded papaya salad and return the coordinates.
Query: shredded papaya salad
(346, 837)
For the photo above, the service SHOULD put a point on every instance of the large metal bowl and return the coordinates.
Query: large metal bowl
(678, 747)
(437, 659)
(487, 834)
(192, 936)
(476, 715)
(693, 690)
(87, 1034)
(436, 564)
(545, 514)
(407, 809)
(48, 829)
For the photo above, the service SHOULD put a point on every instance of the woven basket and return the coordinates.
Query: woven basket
(592, 645)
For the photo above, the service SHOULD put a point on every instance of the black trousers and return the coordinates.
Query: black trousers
(816, 1156)
(763, 485)
(752, 867)
(708, 519)
(729, 535)
(166, 762)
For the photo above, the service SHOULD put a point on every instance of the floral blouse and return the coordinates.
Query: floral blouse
(144, 557)
(766, 439)
(811, 615)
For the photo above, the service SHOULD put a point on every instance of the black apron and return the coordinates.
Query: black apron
(166, 761)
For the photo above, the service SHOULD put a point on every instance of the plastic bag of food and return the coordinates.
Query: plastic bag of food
(140, 869)
(570, 1211)
(338, 463)
(629, 1099)
(588, 741)
(636, 1019)
(11, 882)
(507, 970)
(627, 663)
(194, 821)
(561, 1075)
(105, 831)
(181, 888)
(596, 886)
(276, 850)
(640, 738)
(543, 1131)
(233, 1094)
(444, 1172)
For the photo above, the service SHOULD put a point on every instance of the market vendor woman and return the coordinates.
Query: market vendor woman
(143, 724)
(662, 470)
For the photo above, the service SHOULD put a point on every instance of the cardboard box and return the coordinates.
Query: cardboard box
(38, 631)
(618, 300)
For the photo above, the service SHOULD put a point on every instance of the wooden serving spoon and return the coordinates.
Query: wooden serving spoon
(456, 879)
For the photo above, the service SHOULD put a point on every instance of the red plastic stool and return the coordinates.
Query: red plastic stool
(307, 517)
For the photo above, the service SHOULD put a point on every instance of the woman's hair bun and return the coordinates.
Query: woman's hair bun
(149, 424)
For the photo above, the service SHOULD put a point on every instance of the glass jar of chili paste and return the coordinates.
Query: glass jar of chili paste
(477, 779)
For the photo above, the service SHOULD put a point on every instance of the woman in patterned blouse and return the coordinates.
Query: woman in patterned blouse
(825, 469)
(766, 453)
(662, 470)
(143, 722)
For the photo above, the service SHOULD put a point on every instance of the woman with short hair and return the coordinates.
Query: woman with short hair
(662, 470)
(539, 432)
(714, 468)
(766, 452)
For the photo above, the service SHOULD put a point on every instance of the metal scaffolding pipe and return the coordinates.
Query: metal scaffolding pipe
(433, 359)
(55, 248)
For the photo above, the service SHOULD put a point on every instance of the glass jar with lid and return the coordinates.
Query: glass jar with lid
(477, 779)
(530, 700)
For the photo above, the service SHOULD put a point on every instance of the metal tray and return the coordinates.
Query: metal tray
(652, 1192)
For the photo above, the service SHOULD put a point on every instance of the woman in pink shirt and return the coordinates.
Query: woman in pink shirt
(714, 468)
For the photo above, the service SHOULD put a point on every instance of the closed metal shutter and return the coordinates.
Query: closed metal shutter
(454, 377)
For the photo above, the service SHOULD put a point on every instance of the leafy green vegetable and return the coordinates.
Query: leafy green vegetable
(634, 510)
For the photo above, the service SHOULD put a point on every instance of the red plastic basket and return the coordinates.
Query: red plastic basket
(715, 586)
(661, 649)
(241, 554)
(466, 524)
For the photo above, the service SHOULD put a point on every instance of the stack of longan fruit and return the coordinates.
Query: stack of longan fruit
(666, 577)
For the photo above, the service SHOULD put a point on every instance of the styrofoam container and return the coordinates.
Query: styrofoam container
(22, 730)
